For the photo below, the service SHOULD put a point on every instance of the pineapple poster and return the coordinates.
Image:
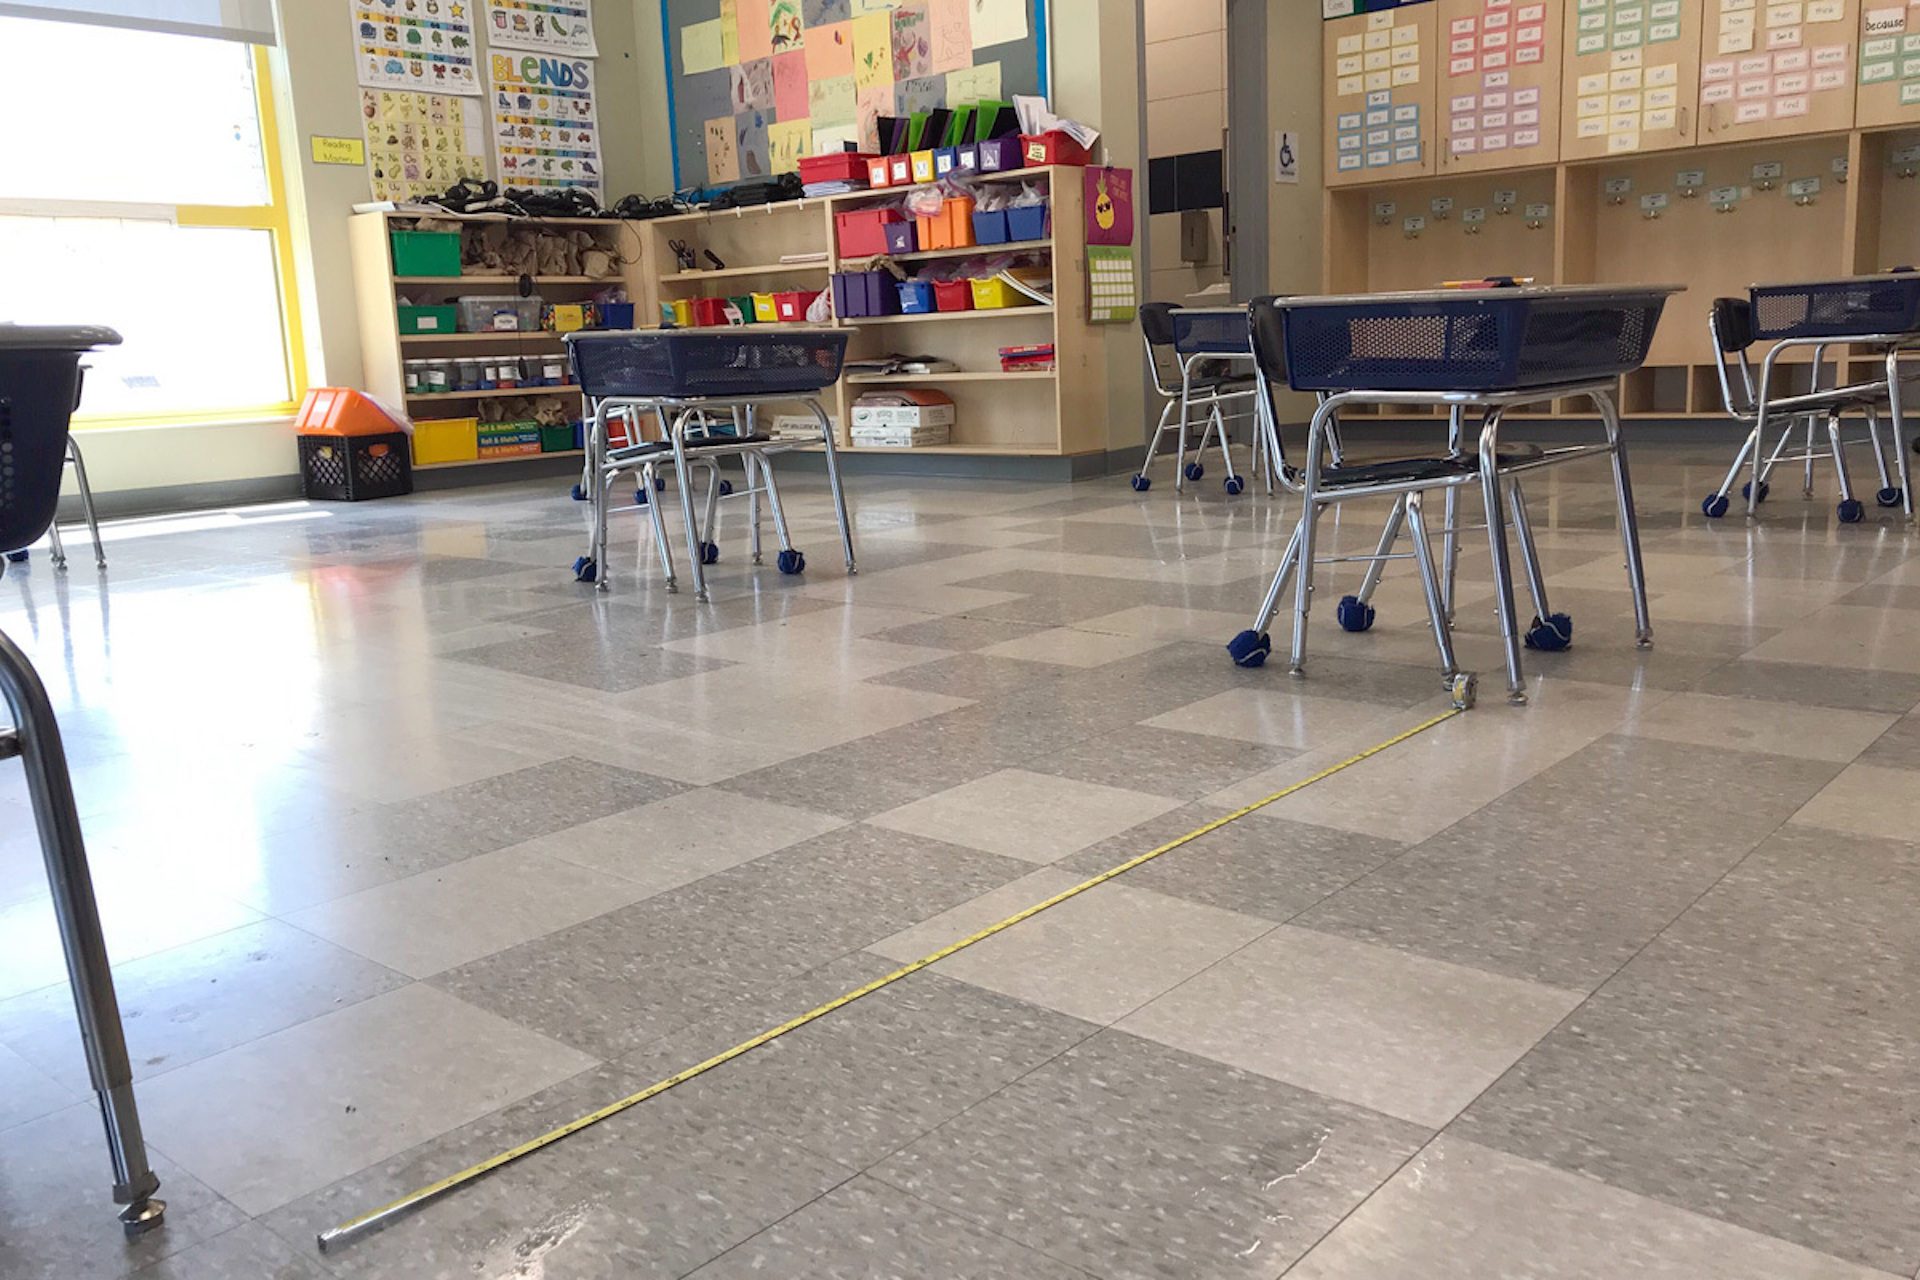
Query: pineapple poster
(1109, 197)
(543, 26)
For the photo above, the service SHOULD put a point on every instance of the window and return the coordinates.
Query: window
(148, 197)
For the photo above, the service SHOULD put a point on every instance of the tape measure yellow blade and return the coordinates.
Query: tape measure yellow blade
(432, 1191)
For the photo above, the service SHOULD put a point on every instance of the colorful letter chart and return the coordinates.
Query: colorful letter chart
(1633, 83)
(1776, 67)
(1606, 26)
(1889, 62)
(1381, 68)
(1500, 94)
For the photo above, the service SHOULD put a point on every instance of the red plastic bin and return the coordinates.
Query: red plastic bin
(709, 312)
(860, 233)
(835, 166)
(952, 295)
(792, 306)
(879, 169)
(1052, 147)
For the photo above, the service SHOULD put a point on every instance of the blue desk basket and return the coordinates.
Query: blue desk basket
(1482, 340)
(1211, 333)
(726, 364)
(39, 388)
(1837, 308)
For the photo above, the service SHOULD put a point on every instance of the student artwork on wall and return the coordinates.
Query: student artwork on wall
(424, 45)
(544, 26)
(546, 132)
(419, 144)
(755, 85)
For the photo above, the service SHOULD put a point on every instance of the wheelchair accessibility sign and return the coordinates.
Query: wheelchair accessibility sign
(1286, 157)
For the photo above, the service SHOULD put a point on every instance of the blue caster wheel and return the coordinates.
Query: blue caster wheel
(709, 553)
(17, 557)
(1553, 635)
(792, 562)
(1234, 486)
(585, 570)
(726, 487)
(1746, 491)
(641, 497)
(1354, 614)
(1851, 511)
(1890, 497)
(1250, 648)
(1142, 483)
(1714, 505)
(579, 493)
(1194, 471)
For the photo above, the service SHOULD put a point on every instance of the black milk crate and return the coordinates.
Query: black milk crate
(736, 362)
(1837, 308)
(355, 468)
(1480, 340)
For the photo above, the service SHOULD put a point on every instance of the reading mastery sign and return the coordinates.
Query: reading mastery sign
(425, 45)
(545, 131)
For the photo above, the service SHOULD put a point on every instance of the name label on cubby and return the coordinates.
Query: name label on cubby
(1443, 205)
(1508, 199)
(1415, 224)
(1842, 167)
(1538, 212)
(1768, 172)
(1907, 155)
(1691, 178)
(1654, 202)
(1724, 195)
(1801, 188)
(1473, 217)
(1385, 209)
(1619, 186)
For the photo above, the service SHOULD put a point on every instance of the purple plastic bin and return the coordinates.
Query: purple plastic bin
(999, 154)
(901, 237)
(859, 294)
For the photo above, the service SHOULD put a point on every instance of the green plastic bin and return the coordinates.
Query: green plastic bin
(745, 303)
(429, 320)
(561, 439)
(426, 253)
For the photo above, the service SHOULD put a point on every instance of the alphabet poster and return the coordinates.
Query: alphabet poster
(546, 134)
(425, 45)
(544, 26)
(419, 144)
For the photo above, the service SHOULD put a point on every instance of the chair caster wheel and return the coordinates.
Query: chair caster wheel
(709, 553)
(1462, 689)
(1746, 491)
(1552, 634)
(585, 570)
(1851, 511)
(1250, 648)
(641, 497)
(17, 557)
(1193, 471)
(578, 493)
(791, 562)
(1714, 505)
(1142, 483)
(1354, 614)
(726, 488)
(1890, 497)
(1234, 486)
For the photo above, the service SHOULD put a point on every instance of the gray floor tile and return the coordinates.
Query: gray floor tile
(249, 1252)
(1898, 747)
(975, 676)
(1769, 1033)
(866, 1230)
(1847, 688)
(1563, 878)
(872, 774)
(1884, 596)
(1133, 1160)
(1164, 762)
(1258, 865)
(1031, 816)
(197, 1000)
(962, 634)
(613, 983)
(611, 662)
(1462, 1212)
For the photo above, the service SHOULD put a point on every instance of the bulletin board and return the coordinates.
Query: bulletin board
(1776, 67)
(1889, 63)
(754, 85)
(1381, 117)
(1632, 78)
(1500, 84)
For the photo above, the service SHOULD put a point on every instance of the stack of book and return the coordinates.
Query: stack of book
(509, 439)
(1037, 358)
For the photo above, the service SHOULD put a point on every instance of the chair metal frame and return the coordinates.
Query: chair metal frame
(1183, 397)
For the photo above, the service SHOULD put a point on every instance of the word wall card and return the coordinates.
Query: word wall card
(1380, 116)
(1889, 63)
(1777, 67)
(1500, 94)
(1632, 76)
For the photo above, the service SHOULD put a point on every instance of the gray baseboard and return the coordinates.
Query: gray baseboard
(126, 504)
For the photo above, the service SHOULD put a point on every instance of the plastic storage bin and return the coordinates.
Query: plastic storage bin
(616, 315)
(952, 295)
(425, 253)
(946, 160)
(1000, 154)
(967, 157)
(834, 166)
(1052, 147)
(445, 440)
(792, 305)
(682, 313)
(921, 165)
(994, 294)
(499, 313)
(951, 228)
(709, 312)
(899, 171)
(879, 171)
(991, 227)
(860, 233)
(1027, 222)
(901, 237)
(429, 320)
(916, 297)
(560, 439)
(766, 308)
(862, 294)
(355, 468)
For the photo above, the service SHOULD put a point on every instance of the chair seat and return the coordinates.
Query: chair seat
(1221, 385)
(1397, 471)
(695, 444)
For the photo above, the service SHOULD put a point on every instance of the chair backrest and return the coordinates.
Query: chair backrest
(1269, 324)
(1156, 322)
(1730, 321)
(39, 389)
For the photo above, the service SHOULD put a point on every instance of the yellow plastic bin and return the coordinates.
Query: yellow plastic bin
(994, 294)
(682, 313)
(446, 440)
(766, 309)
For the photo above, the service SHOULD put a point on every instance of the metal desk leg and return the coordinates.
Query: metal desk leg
(1460, 684)
(1629, 522)
(1900, 450)
(683, 481)
(37, 742)
(833, 483)
(86, 500)
(1497, 543)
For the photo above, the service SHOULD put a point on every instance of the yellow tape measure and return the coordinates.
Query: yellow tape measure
(434, 1190)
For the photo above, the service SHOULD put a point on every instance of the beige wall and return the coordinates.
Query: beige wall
(1186, 91)
(1294, 213)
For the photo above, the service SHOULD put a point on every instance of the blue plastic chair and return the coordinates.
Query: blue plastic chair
(39, 387)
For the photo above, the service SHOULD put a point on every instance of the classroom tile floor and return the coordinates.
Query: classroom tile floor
(410, 848)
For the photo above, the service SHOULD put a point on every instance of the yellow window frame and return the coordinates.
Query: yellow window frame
(274, 217)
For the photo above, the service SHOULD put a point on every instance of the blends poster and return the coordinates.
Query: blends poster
(426, 45)
(546, 134)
